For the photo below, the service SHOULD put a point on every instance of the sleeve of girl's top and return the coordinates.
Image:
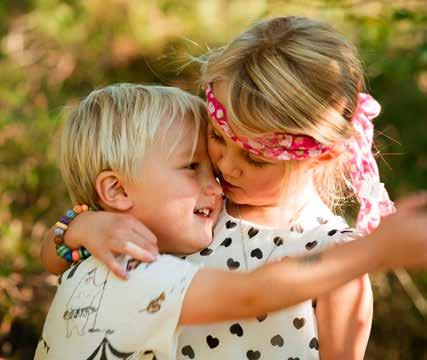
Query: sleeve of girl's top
(333, 232)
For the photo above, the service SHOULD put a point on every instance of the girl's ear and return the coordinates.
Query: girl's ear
(111, 192)
(328, 156)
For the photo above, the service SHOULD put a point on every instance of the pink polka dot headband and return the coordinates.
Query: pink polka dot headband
(365, 182)
(277, 145)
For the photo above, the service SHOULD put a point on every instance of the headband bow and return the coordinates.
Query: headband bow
(365, 182)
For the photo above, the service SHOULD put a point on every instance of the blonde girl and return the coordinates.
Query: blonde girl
(290, 133)
(289, 138)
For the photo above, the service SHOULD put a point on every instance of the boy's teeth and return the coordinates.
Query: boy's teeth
(205, 212)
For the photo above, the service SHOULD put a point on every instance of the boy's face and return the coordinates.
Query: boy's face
(177, 197)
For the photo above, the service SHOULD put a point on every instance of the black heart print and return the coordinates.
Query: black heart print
(261, 317)
(212, 341)
(206, 252)
(277, 340)
(188, 351)
(230, 224)
(253, 355)
(232, 265)
(298, 228)
(314, 344)
(310, 245)
(321, 220)
(236, 329)
(252, 232)
(278, 241)
(227, 242)
(299, 323)
(256, 253)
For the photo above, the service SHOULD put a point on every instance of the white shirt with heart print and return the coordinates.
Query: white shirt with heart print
(283, 335)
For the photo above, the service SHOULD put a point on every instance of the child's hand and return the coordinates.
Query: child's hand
(106, 234)
(403, 236)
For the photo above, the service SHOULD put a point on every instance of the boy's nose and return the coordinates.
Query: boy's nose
(212, 188)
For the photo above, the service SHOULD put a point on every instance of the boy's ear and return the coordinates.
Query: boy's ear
(111, 191)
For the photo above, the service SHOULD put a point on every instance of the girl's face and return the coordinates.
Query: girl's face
(245, 178)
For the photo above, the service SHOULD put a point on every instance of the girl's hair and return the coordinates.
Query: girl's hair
(113, 127)
(294, 75)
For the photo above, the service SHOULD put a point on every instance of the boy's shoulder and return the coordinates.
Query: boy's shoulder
(93, 306)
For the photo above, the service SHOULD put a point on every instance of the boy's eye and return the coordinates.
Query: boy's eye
(256, 163)
(193, 166)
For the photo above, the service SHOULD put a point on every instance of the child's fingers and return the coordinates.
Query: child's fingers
(144, 242)
(136, 252)
(413, 202)
(142, 231)
(110, 261)
(121, 244)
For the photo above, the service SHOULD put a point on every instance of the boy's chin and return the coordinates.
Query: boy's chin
(188, 246)
(202, 242)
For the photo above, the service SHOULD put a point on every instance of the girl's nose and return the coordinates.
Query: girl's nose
(228, 168)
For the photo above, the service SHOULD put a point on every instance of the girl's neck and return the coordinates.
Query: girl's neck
(280, 214)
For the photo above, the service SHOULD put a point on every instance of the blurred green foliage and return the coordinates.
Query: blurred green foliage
(54, 52)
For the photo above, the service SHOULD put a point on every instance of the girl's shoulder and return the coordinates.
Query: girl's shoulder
(320, 224)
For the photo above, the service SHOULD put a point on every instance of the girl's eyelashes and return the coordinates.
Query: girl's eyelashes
(218, 138)
(255, 163)
(215, 136)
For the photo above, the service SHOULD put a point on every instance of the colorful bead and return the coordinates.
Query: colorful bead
(77, 209)
(61, 250)
(70, 214)
(68, 257)
(59, 232)
(86, 253)
(58, 240)
(60, 225)
(65, 220)
(85, 207)
(75, 255)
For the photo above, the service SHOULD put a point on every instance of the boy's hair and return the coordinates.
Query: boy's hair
(112, 128)
(295, 75)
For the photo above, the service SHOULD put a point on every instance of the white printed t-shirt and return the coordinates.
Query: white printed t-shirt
(284, 335)
(94, 315)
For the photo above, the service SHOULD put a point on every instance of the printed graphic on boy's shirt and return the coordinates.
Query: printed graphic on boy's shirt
(85, 302)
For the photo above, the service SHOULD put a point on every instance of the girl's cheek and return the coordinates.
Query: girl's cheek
(213, 151)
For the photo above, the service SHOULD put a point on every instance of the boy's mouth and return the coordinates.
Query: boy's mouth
(205, 212)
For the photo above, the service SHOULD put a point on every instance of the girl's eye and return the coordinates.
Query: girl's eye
(255, 163)
(216, 137)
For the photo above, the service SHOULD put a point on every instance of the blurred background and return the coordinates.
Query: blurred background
(54, 52)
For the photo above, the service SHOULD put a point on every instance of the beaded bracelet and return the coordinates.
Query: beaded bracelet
(61, 227)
